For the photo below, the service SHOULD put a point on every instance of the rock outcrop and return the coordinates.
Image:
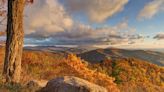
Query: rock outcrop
(72, 84)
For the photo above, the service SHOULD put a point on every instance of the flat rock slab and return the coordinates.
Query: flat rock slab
(72, 84)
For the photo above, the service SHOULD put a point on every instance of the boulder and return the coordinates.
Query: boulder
(72, 84)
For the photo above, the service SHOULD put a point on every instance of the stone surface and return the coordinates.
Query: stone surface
(72, 84)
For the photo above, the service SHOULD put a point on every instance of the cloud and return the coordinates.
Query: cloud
(81, 34)
(46, 16)
(159, 36)
(151, 9)
(47, 22)
(96, 10)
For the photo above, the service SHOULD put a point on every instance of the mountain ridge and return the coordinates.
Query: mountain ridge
(98, 55)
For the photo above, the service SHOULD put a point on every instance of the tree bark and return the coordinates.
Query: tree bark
(14, 41)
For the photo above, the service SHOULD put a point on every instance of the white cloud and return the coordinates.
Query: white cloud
(151, 9)
(96, 10)
(47, 22)
(46, 16)
(84, 34)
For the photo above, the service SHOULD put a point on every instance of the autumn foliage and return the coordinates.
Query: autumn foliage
(90, 75)
(127, 75)
(44, 65)
(133, 75)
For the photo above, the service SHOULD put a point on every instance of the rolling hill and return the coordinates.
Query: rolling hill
(42, 65)
(99, 55)
(127, 74)
(133, 75)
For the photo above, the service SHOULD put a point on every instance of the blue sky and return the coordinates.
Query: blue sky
(131, 10)
(102, 23)
(147, 27)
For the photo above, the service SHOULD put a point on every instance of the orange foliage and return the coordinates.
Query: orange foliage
(44, 65)
(90, 75)
(133, 75)
(130, 74)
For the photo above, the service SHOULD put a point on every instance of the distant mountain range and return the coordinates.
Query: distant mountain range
(159, 50)
(94, 55)
(99, 55)
(74, 50)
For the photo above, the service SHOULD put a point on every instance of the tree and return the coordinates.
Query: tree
(14, 41)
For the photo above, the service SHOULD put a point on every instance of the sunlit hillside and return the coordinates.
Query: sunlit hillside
(133, 75)
(128, 74)
(45, 66)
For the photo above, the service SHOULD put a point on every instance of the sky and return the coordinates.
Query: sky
(101, 23)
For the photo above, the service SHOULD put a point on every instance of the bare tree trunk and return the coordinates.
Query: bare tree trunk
(14, 42)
